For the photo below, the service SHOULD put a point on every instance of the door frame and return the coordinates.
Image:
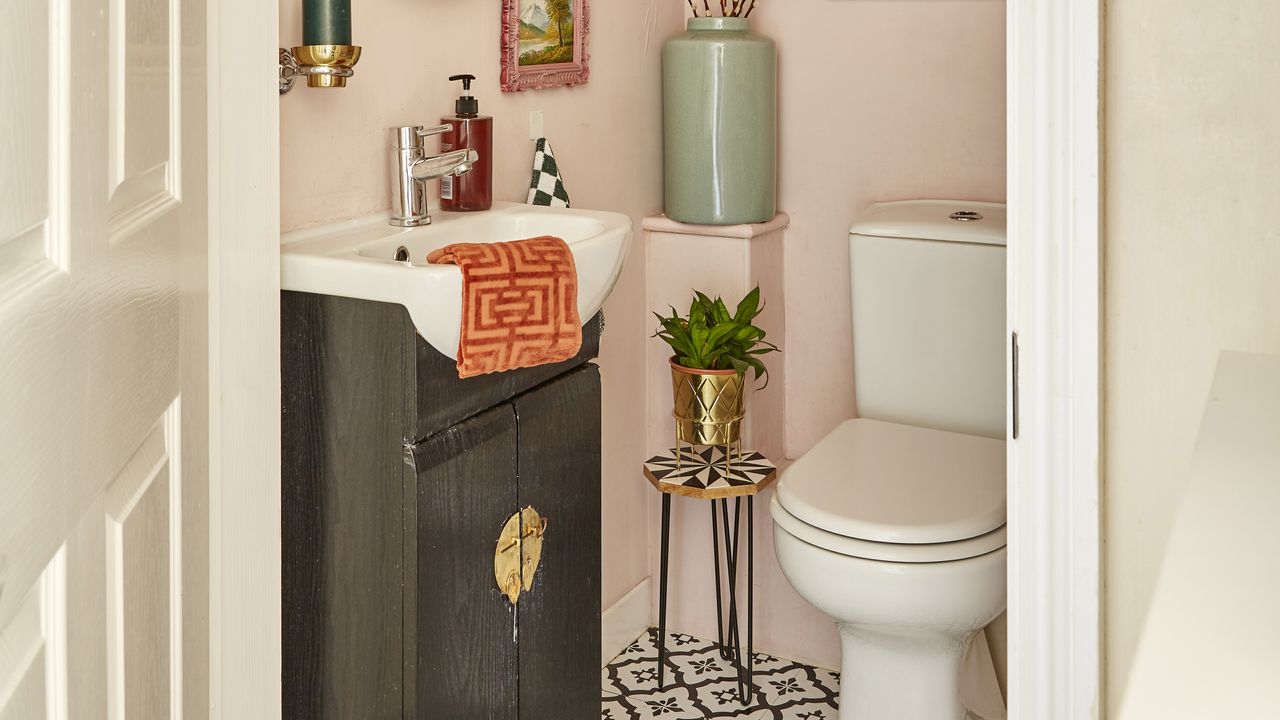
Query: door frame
(1055, 263)
(244, 359)
(1054, 150)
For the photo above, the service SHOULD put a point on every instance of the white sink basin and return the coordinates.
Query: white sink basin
(356, 259)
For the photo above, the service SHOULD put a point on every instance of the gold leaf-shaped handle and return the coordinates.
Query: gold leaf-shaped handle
(535, 529)
(519, 552)
(507, 559)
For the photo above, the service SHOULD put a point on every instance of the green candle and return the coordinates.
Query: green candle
(326, 22)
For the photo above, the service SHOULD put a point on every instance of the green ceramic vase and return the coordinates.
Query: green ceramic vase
(720, 110)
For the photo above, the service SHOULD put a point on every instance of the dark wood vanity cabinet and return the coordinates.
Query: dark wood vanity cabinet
(398, 479)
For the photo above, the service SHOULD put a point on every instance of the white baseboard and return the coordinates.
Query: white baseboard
(624, 621)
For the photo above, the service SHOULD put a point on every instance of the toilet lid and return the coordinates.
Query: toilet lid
(890, 483)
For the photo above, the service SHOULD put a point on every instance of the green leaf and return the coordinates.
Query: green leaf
(721, 312)
(708, 306)
(696, 305)
(698, 330)
(674, 333)
(749, 334)
(716, 359)
(690, 362)
(721, 333)
(662, 323)
(681, 340)
(749, 307)
(759, 369)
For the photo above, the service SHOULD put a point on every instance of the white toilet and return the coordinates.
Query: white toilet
(894, 524)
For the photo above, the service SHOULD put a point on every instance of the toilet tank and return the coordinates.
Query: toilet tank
(929, 342)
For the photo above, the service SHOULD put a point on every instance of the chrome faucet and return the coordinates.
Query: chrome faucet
(412, 168)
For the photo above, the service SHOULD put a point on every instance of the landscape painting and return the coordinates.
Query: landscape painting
(546, 32)
(544, 44)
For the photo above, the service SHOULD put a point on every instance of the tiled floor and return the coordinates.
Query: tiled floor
(700, 684)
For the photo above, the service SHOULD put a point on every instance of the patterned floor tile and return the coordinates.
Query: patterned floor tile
(792, 686)
(700, 684)
(829, 678)
(674, 702)
(612, 708)
(606, 684)
(699, 666)
(806, 711)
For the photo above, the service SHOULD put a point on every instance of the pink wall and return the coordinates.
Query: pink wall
(879, 100)
(606, 134)
(727, 261)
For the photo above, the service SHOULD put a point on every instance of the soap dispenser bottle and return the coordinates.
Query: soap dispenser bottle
(468, 130)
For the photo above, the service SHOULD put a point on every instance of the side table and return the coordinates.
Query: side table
(707, 473)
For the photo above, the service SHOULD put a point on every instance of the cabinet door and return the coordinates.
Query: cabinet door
(559, 465)
(343, 491)
(466, 664)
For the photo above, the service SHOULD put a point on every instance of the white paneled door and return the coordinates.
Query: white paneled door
(93, 228)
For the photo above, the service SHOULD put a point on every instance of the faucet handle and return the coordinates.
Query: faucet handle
(409, 137)
(406, 137)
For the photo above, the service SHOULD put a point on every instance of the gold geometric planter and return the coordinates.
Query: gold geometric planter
(708, 405)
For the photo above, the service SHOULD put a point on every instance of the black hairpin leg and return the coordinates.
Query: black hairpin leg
(734, 650)
(715, 568)
(728, 629)
(662, 586)
(749, 665)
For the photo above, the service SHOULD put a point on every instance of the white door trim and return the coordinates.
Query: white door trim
(1054, 79)
(244, 360)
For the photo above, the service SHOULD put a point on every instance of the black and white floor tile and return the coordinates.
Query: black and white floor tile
(699, 685)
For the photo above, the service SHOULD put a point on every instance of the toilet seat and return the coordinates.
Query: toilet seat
(887, 552)
(875, 489)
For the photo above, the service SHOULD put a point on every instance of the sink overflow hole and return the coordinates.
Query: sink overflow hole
(402, 254)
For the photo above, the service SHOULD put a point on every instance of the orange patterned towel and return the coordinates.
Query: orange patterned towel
(519, 303)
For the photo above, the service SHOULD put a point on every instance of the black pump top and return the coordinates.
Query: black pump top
(467, 106)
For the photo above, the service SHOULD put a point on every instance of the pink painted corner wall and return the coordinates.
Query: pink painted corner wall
(607, 138)
(880, 101)
(724, 261)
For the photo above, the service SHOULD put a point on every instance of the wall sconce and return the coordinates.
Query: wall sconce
(326, 55)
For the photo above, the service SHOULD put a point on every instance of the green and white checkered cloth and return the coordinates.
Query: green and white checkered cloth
(547, 187)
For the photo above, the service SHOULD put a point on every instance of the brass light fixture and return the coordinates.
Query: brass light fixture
(326, 56)
(326, 66)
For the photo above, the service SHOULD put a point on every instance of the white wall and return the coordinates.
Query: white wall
(606, 134)
(1192, 264)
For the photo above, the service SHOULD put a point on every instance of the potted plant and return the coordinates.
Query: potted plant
(713, 351)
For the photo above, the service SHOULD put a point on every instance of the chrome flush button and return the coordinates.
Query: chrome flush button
(966, 216)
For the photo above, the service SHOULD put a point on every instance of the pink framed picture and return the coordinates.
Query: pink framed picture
(544, 44)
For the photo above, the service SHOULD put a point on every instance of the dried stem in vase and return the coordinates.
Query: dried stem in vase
(728, 8)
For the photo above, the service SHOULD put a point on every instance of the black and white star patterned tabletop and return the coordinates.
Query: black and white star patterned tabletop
(702, 471)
